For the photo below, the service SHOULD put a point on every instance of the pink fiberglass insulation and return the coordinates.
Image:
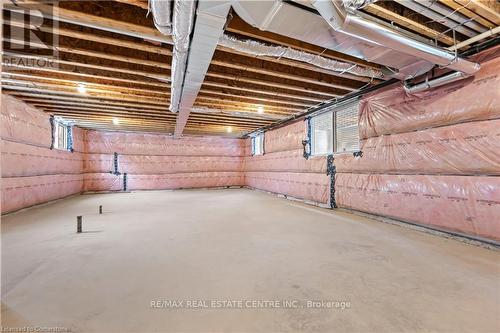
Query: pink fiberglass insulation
(78, 135)
(21, 122)
(308, 186)
(21, 192)
(161, 164)
(184, 180)
(467, 204)
(286, 161)
(468, 148)
(283, 169)
(20, 159)
(95, 182)
(32, 173)
(392, 110)
(160, 144)
(155, 161)
(285, 138)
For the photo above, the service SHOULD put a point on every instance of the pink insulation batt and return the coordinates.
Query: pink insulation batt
(156, 161)
(431, 158)
(32, 173)
(284, 170)
(462, 149)
(392, 110)
(465, 204)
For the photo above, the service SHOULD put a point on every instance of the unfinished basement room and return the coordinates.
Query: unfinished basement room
(250, 166)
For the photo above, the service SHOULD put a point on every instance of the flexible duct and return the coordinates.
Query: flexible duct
(183, 18)
(334, 12)
(261, 49)
(162, 15)
(357, 4)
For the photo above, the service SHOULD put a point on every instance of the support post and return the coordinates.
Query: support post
(78, 224)
(100, 209)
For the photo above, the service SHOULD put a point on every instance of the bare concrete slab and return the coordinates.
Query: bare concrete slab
(236, 246)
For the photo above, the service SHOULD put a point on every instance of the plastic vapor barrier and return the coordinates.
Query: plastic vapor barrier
(283, 169)
(102, 182)
(185, 180)
(468, 149)
(160, 144)
(160, 164)
(154, 161)
(21, 192)
(20, 159)
(307, 186)
(465, 204)
(392, 110)
(31, 172)
(286, 161)
(23, 123)
(285, 138)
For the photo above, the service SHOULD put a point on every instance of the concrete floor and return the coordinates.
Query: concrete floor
(236, 245)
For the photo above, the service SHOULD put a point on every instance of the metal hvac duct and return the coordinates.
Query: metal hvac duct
(211, 16)
(275, 16)
(343, 31)
(452, 77)
(334, 12)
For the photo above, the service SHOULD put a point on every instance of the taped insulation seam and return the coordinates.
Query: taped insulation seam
(463, 149)
(22, 192)
(464, 204)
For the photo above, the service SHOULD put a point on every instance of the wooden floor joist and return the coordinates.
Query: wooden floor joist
(124, 63)
(97, 22)
(465, 10)
(422, 29)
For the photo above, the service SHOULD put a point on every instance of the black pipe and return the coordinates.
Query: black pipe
(78, 224)
(481, 47)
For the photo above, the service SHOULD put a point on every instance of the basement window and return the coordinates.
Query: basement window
(322, 134)
(336, 131)
(63, 136)
(258, 144)
(345, 120)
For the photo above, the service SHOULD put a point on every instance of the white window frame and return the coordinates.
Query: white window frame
(258, 144)
(333, 113)
(313, 134)
(61, 135)
(338, 109)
